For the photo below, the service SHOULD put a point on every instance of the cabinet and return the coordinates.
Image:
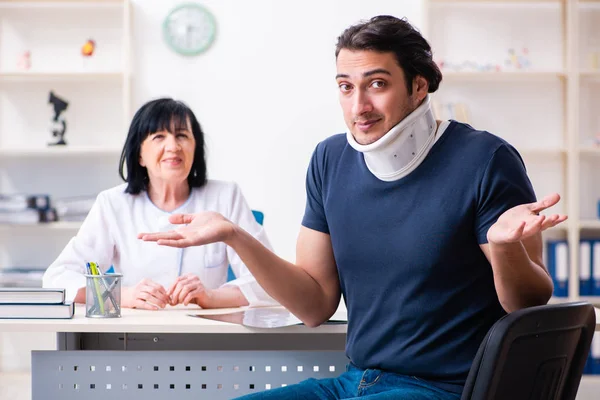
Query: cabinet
(529, 72)
(42, 52)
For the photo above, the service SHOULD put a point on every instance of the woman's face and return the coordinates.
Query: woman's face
(168, 156)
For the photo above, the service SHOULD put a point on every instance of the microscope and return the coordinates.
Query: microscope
(59, 125)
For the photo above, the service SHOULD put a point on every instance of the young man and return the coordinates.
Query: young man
(430, 229)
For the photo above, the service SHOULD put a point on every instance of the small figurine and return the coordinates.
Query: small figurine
(24, 62)
(87, 50)
(59, 125)
(518, 61)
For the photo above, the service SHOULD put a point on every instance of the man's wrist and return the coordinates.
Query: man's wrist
(234, 236)
(506, 248)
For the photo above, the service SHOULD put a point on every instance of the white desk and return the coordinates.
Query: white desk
(168, 320)
(169, 354)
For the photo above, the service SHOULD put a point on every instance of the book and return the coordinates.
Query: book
(22, 277)
(37, 311)
(31, 296)
(22, 202)
(29, 216)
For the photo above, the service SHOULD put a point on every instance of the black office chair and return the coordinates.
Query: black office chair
(536, 353)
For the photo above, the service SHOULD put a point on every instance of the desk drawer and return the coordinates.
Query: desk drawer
(149, 375)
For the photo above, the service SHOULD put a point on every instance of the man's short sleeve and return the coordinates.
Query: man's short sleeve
(504, 185)
(314, 214)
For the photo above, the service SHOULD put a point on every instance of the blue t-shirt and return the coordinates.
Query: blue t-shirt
(419, 290)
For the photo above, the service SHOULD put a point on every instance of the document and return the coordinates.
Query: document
(261, 318)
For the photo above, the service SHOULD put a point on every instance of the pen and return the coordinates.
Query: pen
(108, 291)
(100, 302)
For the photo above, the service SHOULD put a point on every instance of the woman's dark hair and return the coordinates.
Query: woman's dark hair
(163, 114)
(384, 34)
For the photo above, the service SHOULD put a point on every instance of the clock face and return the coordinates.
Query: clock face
(189, 29)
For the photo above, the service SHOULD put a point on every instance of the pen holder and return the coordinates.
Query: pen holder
(103, 296)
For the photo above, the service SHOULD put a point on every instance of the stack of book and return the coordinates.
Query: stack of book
(24, 277)
(34, 303)
(26, 209)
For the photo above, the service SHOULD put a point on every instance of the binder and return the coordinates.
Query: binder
(596, 268)
(595, 369)
(585, 268)
(558, 266)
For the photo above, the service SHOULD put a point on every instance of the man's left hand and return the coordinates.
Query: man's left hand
(523, 221)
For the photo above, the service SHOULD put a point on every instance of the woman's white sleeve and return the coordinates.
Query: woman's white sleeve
(93, 243)
(241, 214)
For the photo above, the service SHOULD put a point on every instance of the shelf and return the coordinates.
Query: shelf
(560, 300)
(590, 224)
(591, 299)
(590, 74)
(60, 151)
(518, 2)
(27, 76)
(595, 300)
(502, 76)
(62, 4)
(493, 4)
(590, 151)
(589, 5)
(589, 378)
(60, 225)
(542, 152)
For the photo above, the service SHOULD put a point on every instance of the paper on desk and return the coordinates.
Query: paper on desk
(260, 318)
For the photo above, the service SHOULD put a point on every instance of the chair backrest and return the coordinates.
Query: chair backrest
(259, 216)
(536, 353)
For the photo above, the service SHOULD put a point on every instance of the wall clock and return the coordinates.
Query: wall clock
(189, 29)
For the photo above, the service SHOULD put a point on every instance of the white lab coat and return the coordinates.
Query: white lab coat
(108, 236)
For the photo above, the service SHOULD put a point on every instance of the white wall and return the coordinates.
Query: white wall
(264, 94)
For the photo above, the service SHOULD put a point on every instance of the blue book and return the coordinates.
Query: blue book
(585, 268)
(595, 359)
(558, 266)
(595, 270)
(588, 368)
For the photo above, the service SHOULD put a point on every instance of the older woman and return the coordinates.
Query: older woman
(166, 172)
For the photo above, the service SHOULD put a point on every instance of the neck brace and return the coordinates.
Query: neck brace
(403, 148)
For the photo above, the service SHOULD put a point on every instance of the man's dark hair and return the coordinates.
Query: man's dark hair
(163, 114)
(386, 33)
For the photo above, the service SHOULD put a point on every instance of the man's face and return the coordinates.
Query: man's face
(373, 93)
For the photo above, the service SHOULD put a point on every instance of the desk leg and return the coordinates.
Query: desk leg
(68, 341)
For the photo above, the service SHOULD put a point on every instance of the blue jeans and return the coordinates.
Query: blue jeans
(356, 383)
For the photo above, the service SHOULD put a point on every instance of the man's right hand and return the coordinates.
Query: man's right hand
(310, 289)
(147, 295)
(197, 229)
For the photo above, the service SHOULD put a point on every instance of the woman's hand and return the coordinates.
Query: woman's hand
(189, 289)
(147, 295)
